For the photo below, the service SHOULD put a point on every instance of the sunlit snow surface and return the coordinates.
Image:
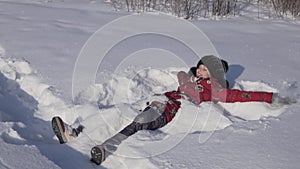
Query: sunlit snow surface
(40, 43)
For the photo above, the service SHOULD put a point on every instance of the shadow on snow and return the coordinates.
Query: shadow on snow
(18, 107)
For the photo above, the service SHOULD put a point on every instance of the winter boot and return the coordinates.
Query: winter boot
(64, 132)
(98, 154)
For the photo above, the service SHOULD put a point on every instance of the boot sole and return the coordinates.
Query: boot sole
(59, 129)
(98, 154)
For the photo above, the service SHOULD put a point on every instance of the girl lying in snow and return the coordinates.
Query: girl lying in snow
(203, 83)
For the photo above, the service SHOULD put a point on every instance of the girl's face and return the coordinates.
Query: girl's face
(202, 72)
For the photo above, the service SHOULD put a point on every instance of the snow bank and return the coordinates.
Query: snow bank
(18, 125)
(26, 108)
(18, 73)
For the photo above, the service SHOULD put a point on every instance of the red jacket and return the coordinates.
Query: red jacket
(210, 90)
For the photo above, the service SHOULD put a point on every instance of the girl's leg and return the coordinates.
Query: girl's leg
(149, 119)
(155, 116)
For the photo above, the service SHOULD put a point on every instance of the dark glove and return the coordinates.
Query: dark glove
(281, 101)
(173, 95)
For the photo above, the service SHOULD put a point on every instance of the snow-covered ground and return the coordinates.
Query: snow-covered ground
(41, 44)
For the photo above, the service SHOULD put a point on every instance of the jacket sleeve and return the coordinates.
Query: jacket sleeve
(235, 95)
(211, 90)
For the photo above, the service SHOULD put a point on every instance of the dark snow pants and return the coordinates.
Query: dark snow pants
(150, 119)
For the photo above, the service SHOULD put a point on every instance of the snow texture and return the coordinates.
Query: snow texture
(40, 42)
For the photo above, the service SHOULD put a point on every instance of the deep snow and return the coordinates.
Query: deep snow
(40, 43)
